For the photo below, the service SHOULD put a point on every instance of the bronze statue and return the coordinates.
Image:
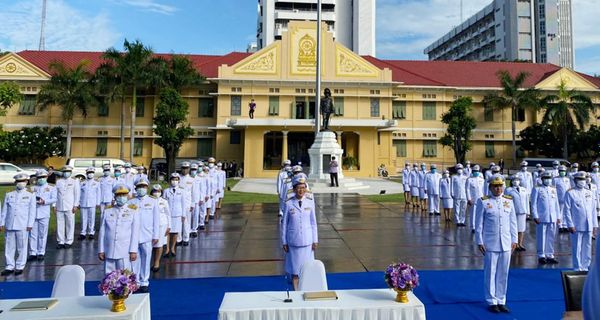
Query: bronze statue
(326, 108)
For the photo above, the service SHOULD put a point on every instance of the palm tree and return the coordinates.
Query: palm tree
(514, 97)
(562, 107)
(138, 68)
(72, 90)
(181, 73)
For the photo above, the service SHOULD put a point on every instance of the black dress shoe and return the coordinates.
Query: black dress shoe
(155, 269)
(179, 244)
(542, 261)
(503, 308)
(211, 217)
(186, 243)
(40, 257)
(82, 237)
(194, 235)
(31, 258)
(494, 309)
(172, 254)
(437, 214)
(67, 246)
(91, 237)
(18, 272)
(551, 261)
(60, 246)
(6, 272)
(202, 228)
(166, 255)
(143, 289)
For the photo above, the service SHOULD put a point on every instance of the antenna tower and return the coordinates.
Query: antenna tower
(42, 45)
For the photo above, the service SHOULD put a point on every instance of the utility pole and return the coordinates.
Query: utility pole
(318, 89)
(42, 45)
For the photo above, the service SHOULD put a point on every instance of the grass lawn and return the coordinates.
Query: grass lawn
(246, 197)
(399, 197)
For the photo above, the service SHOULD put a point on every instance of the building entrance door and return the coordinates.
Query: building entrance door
(298, 145)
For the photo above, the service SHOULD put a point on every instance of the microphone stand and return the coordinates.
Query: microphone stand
(287, 286)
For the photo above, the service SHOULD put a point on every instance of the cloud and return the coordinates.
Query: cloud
(585, 26)
(152, 6)
(66, 28)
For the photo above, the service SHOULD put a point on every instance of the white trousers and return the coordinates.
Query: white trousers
(545, 233)
(16, 242)
(495, 276)
(213, 205)
(563, 223)
(38, 237)
(433, 203)
(141, 265)
(201, 213)
(187, 225)
(111, 265)
(471, 214)
(460, 205)
(581, 246)
(65, 227)
(195, 216)
(88, 220)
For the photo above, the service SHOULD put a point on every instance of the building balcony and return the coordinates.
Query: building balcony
(303, 15)
(333, 123)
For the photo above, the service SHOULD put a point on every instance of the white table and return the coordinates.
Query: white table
(89, 307)
(352, 304)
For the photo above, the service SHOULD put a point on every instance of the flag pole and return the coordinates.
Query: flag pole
(318, 72)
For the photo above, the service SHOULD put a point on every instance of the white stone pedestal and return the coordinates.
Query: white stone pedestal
(323, 148)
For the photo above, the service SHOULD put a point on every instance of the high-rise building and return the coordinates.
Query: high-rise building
(352, 22)
(510, 30)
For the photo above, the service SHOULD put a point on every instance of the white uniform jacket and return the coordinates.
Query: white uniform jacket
(580, 210)
(459, 186)
(445, 188)
(526, 179)
(432, 183)
(519, 199)
(178, 199)
(67, 194)
(495, 223)
(544, 204)
(48, 194)
(299, 223)
(474, 188)
(106, 186)
(149, 218)
(562, 184)
(119, 231)
(90, 193)
(18, 212)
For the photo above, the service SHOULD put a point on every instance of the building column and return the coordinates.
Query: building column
(339, 137)
(284, 149)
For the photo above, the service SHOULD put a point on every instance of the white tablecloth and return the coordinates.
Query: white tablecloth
(89, 307)
(352, 305)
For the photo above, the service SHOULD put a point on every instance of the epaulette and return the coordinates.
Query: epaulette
(289, 198)
(507, 196)
(132, 206)
(290, 191)
(309, 196)
(108, 206)
(485, 198)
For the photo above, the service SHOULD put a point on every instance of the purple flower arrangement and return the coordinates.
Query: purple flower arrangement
(401, 276)
(119, 283)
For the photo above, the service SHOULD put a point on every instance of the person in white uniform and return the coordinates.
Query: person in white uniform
(164, 225)
(45, 197)
(486, 186)
(119, 232)
(496, 237)
(546, 214)
(422, 194)
(198, 190)
(187, 183)
(179, 202)
(106, 185)
(554, 171)
(474, 191)
(16, 219)
(214, 188)
(519, 196)
(406, 184)
(129, 177)
(414, 185)
(299, 229)
(205, 197)
(432, 189)
(281, 176)
(209, 192)
(67, 202)
(562, 183)
(459, 195)
(487, 176)
(580, 215)
(149, 232)
(446, 195)
(89, 200)
(286, 184)
(591, 289)
(222, 182)
(537, 173)
(468, 169)
(574, 169)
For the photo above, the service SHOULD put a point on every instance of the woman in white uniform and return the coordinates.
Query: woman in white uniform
(446, 195)
(298, 229)
(165, 225)
(591, 290)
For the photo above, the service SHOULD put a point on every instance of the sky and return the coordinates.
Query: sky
(404, 27)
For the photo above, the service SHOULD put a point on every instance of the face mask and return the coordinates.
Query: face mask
(66, 174)
(596, 170)
(41, 181)
(516, 183)
(476, 174)
(523, 169)
(141, 192)
(588, 181)
(434, 170)
(460, 171)
(422, 167)
(90, 176)
(193, 173)
(555, 167)
(121, 200)
(156, 194)
(174, 183)
(546, 182)
(580, 184)
(21, 185)
(128, 170)
(211, 165)
(117, 174)
(106, 173)
(468, 165)
(562, 173)
(495, 172)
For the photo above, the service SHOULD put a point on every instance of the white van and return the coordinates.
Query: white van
(545, 162)
(81, 164)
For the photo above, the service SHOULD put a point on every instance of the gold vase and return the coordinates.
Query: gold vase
(118, 303)
(401, 295)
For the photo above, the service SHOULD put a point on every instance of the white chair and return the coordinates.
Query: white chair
(69, 282)
(312, 277)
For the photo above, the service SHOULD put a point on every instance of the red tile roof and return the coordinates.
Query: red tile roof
(417, 73)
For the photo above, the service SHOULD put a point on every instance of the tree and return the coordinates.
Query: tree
(110, 88)
(138, 68)
(32, 145)
(70, 89)
(566, 109)
(170, 126)
(514, 97)
(460, 127)
(181, 73)
(10, 94)
(540, 139)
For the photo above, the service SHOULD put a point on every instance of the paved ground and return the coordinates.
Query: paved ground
(355, 235)
(358, 186)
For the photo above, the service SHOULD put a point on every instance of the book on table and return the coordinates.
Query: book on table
(320, 295)
(35, 305)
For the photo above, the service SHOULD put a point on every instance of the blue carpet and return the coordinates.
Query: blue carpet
(532, 294)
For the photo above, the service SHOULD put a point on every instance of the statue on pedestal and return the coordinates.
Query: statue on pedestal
(326, 108)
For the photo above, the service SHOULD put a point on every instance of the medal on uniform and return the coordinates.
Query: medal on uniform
(506, 204)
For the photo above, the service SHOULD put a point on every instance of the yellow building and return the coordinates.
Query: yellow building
(387, 111)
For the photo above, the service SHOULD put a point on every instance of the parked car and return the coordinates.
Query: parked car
(545, 162)
(81, 164)
(9, 170)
